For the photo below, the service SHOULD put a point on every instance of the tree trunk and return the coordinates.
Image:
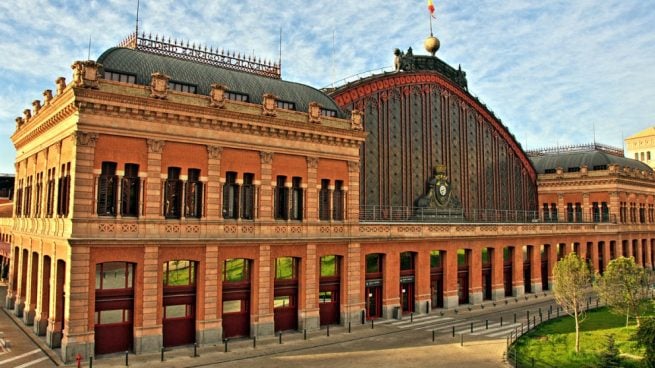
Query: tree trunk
(627, 317)
(577, 329)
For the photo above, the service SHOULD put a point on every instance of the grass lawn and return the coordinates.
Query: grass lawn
(552, 344)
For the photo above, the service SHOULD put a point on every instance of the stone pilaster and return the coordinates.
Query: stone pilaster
(82, 180)
(43, 300)
(266, 191)
(312, 193)
(78, 338)
(31, 293)
(475, 275)
(535, 268)
(309, 317)
(263, 322)
(352, 198)
(497, 268)
(21, 287)
(153, 189)
(450, 296)
(352, 280)
(518, 286)
(148, 337)
(210, 327)
(214, 192)
(422, 282)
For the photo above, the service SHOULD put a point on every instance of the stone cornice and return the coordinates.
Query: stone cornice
(39, 125)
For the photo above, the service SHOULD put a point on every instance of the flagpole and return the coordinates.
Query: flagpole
(430, 16)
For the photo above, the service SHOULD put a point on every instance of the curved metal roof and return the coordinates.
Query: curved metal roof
(577, 159)
(143, 64)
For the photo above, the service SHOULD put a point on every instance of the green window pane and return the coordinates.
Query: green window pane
(461, 257)
(373, 263)
(328, 266)
(406, 261)
(284, 268)
(435, 259)
(235, 270)
(325, 297)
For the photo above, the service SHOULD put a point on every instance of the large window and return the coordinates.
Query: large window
(337, 201)
(193, 195)
(285, 268)
(50, 195)
(19, 199)
(131, 188)
(63, 202)
(107, 189)
(324, 200)
(436, 259)
(173, 194)
(179, 273)
(248, 197)
(28, 197)
(296, 198)
(236, 270)
(114, 275)
(281, 199)
(329, 266)
(39, 193)
(373, 263)
(231, 196)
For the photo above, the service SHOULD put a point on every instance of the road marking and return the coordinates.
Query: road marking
(19, 356)
(417, 319)
(417, 324)
(32, 362)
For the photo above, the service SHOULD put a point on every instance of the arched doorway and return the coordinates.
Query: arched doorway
(236, 297)
(179, 317)
(407, 282)
(487, 259)
(114, 307)
(463, 281)
(436, 277)
(285, 302)
(329, 289)
(373, 290)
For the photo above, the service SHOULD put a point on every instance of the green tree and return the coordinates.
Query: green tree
(624, 286)
(645, 337)
(610, 356)
(571, 280)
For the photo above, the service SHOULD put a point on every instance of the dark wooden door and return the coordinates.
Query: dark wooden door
(236, 309)
(285, 307)
(463, 286)
(486, 283)
(407, 297)
(329, 303)
(436, 286)
(374, 302)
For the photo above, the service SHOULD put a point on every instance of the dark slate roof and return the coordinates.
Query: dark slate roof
(577, 159)
(143, 64)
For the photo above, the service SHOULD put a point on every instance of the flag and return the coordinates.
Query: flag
(431, 8)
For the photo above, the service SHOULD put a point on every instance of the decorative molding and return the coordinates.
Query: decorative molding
(269, 105)
(214, 152)
(85, 74)
(266, 157)
(314, 113)
(155, 145)
(357, 120)
(312, 163)
(159, 85)
(353, 167)
(85, 139)
(217, 95)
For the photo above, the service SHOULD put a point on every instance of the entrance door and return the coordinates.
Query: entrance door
(114, 303)
(436, 290)
(179, 317)
(527, 277)
(285, 303)
(486, 283)
(236, 297)
(507, 278)
(463, 286)
(329, 290)
(373, 302)
(407, 297)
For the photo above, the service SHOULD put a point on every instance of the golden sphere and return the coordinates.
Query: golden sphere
(432, 44)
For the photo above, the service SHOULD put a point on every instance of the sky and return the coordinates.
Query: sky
(555, 72)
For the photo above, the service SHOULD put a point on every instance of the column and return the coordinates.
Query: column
(352, 198)
(497, 270)
(310, 318)
(119, 190)
(518, 287)
(267, 187)
(552, 259)
(450, 297)
(390, 283)
(475, 274)
(614, 207)
(78, 337)
(43, 300)
(649, 254)
(263, 320)
(534, 252)
(81, 194)
(32, 287)
(209, 326)
(22, 281)
(213, 187)
(153, 188)
(312, 194)
(352, 281)
(422, 280)
(148, 336)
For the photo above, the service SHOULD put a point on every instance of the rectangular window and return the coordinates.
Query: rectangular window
(436, 260)
(19, 199)
(63, 201)
(120, 77)
(283, 301)
(193, 195)
(325, 297)
(296, 199)
(236, 270)
(605, 212)
(114, 275)
(178, 311)
(328, 112)
(486, 256)
(39, 194)
(231, 196)
(28, 197)
(182, 87)
(232, 306)
(578, 212)
(248, 197)
(287, 105)
(406, 261)
(285, 268)
(324, 200)
(595, 212)
(329, 266)
(179, 273)
(337, 201)
(130, 191)
(546, 211)
(373, 263)
(173, 194)
(236, 96)
(462, 257)
(569, 212)
(107, 189)
(647, 155)
(281, 199)
(553, 212)
(106, 317)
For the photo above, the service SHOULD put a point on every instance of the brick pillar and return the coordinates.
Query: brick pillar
(535, 268)
(649, 254)
(210, 328)
(593, 249)
(310, 318)
(390, 283)
(213, 187)
(312, 192)
(422, 281)
(82, 178)
(153, 189)
(518, 286)
(78, 336)
(352, 198)
(31, 295)
(266, 191)
(450, 298)
(475, 275)
(354, 289)
(263, 324)
(497, 270)
(148, 336)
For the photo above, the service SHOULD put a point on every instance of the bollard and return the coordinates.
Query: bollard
(411, 317)
(90, 362)
(304, 334)
(254, 342)
(501, 321)
(432, 335)
(514, 317)
(528, 325)
(225, 341)
(471, 327)
(127, 361)
(280, 341)
(372, 325)
(161, 359)
(453, 331)
(328, 330)
(461, 339)
(195, 348)
(348, 327)
(486, 324)
(534, 321)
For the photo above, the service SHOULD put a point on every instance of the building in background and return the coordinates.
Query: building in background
(169, 195)
(641, 146)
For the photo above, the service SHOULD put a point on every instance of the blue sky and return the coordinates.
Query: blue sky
(550, 70)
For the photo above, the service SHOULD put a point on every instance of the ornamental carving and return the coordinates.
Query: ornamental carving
(314, 113)
(61, 85)
(217, 96)
(155, 146)
(357, 120)
(269, 105)
(266, 157)
(214, 152)
(27, 115)
(36, 106)
(312, 163)
(353, 167)
(159, 85)
(19, 122)
(85, 139)
(85, 74)
(47, 97)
